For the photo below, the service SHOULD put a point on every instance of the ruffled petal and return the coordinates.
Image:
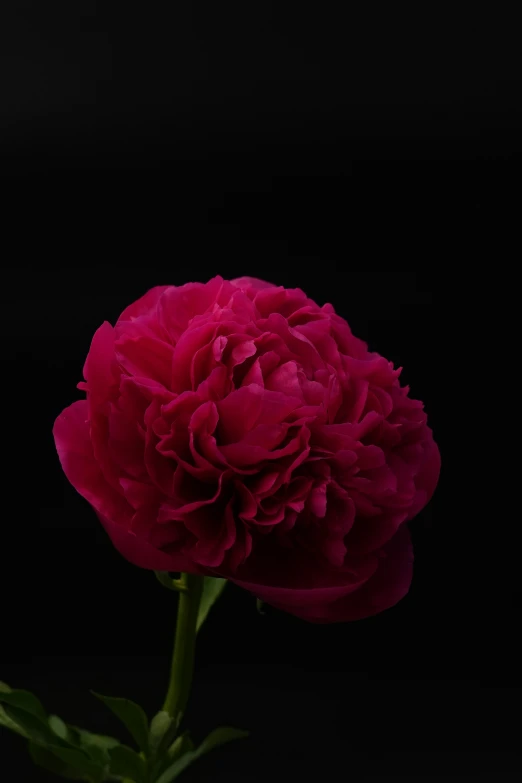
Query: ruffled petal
(71, 435)
(386, 584)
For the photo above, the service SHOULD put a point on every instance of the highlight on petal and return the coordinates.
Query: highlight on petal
(251, 284)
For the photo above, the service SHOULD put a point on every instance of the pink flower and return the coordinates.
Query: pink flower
(237, 429)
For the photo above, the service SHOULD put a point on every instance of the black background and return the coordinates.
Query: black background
(372, 160)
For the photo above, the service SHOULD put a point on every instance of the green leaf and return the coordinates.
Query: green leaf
(179, 766)
(47, 760)
(212, 589)
(159, 726)
(79, 761)
(127, 763)
(25, 701)
(32, 727)
(181, 745)
(97, 746)
(219, 737)
(132, 715)
(215, 739)
(5, 720)
(8, 723)
(260, 606)
(58, 727)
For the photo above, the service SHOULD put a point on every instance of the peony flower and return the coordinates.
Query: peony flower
(238, 429)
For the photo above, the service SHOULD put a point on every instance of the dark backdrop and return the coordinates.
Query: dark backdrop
(372, 160)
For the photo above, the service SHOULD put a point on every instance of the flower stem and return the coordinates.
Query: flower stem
(182, 667)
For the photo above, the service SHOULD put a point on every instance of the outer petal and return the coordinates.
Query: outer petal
(144, 305)
(179, 306)
(251, 284)
(73, 443)
(100, 370)
(71, 435)
(389, 582)
(140, 553)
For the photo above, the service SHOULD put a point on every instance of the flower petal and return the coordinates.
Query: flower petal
(144, 305)
(381, 583)
(71, 434)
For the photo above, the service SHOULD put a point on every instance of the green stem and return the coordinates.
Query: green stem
(182, 667)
